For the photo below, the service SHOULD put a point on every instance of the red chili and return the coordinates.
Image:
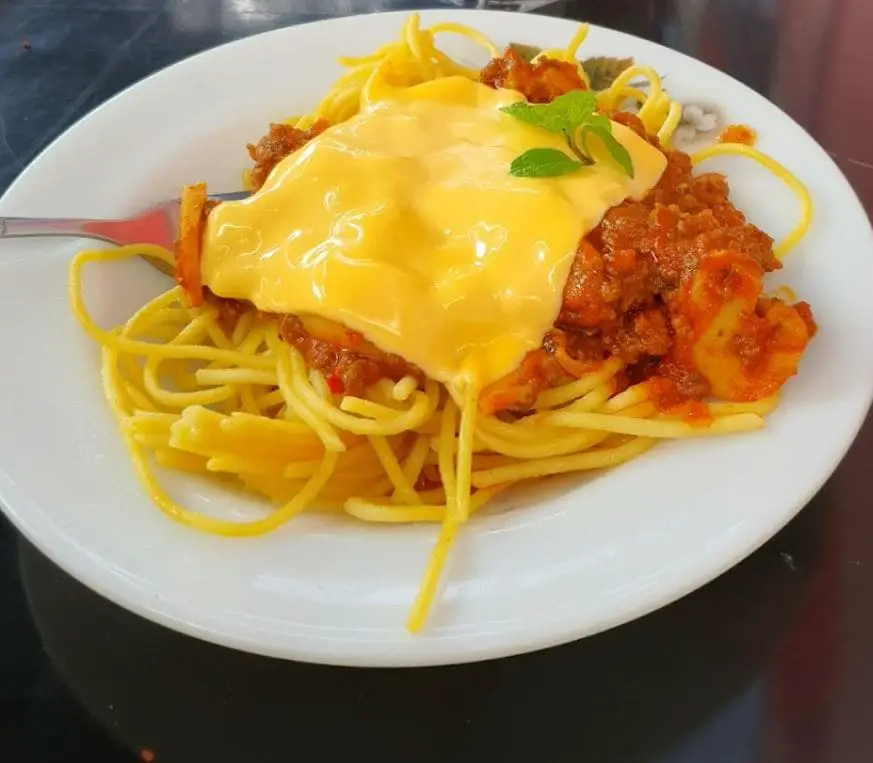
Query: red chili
(335, 384)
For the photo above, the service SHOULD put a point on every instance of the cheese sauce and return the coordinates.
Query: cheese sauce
(403, 223)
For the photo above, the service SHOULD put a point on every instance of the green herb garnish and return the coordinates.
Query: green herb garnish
(543, 163)
(574, 116)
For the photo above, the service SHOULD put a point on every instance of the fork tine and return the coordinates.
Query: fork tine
(170, 209)
(233, 196)
(156, 225)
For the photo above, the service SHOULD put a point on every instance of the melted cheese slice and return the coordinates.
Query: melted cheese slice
(404, 224)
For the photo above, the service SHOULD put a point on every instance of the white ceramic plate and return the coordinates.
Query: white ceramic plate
(563, 560)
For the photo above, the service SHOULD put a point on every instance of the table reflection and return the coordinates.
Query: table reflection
(660, 689)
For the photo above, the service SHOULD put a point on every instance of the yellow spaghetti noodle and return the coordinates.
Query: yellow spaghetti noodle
(189, 395)
(658, 112)
(570, 53)
(411, 59)
(797, 188)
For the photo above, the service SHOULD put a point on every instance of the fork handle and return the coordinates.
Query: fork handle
(17, 227)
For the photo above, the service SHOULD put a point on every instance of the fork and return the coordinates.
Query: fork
(155, 225)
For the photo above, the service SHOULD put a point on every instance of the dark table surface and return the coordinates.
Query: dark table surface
(772, 662)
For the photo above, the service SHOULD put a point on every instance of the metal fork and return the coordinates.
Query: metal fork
(155, 225)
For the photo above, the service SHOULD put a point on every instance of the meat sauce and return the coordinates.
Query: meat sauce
(670, 284)
(348, 361)
(738, 134)
(278, 143)
(618, 292)
(540, 82)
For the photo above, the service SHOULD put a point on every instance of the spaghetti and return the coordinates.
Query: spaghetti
(190, 392)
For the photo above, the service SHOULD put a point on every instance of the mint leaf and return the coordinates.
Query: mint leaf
(574, 116)
(543, 163)
(599, 121)
(539, 115)
(617, 151)
(562, 115)
(578, 106)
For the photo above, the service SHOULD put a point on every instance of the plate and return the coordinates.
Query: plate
(556, 561)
